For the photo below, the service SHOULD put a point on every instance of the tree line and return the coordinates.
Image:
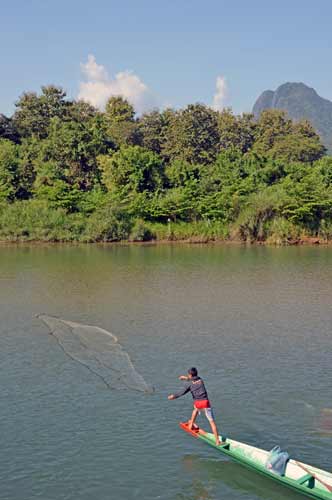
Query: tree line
(71, 172)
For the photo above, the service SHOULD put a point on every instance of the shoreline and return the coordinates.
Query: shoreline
(307, 241)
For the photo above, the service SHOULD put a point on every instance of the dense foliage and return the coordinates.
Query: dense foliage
(70, 172)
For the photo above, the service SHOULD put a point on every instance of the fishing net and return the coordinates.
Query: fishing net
(99, 351)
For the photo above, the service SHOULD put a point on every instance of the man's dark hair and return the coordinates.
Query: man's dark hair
(193, 372)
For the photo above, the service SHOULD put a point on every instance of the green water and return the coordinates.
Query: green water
(255, 321)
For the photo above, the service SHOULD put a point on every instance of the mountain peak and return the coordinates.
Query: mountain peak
(301, 102)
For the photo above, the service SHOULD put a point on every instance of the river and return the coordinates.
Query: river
(255, 321)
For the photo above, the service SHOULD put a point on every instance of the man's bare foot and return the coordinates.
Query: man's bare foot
(220, 443)
(192, 426)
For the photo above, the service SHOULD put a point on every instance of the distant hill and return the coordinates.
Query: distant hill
(300, 101)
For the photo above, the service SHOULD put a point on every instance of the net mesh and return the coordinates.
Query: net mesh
(99, 351)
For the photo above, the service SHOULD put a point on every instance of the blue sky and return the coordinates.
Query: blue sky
(175, 49)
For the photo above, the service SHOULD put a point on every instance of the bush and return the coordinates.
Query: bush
(141, 232)
(325, 230)
(280, 231)
(261, 209)
(34, 220)
(201, 231)
(108, 223)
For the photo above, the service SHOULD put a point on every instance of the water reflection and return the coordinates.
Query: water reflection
(197, 491)
(325, 422)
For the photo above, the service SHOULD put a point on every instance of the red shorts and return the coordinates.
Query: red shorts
(204, 404)
(201, 404)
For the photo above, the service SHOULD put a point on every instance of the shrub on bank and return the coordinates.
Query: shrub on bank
(107, 223)
(33, 220)
(325, 230)
(281, 231)
(192, 231)
(260, 210)
(141, 232)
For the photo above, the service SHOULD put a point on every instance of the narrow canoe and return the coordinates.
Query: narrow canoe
(306, 479)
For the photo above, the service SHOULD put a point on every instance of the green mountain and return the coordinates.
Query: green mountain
(300, 101)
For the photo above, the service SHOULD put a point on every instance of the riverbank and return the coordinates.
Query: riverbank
(34, 221)
(196, 240)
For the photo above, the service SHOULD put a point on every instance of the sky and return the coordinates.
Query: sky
(162, 53)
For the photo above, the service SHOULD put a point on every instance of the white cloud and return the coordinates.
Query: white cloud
(99, 87)
(220, 96)
(93, 71)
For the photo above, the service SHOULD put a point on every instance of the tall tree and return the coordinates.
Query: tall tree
(236, 131)
(152, 127)
(80, 111)
(192, 135)
(278, 137)
(34, 113)
(66, 165)
(120, 121)
(9, 169)
(8, 129)
(73, 149)
(132, 169)
(16, 177)
(272, 126)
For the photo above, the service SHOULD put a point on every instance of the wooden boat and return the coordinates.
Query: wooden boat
(303, 478)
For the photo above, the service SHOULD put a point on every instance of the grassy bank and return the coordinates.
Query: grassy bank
(34, 221)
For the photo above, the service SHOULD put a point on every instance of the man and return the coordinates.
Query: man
(201, 400)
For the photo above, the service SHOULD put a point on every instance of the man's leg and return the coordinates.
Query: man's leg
(215, 432)
(210, 417)
(192, 418)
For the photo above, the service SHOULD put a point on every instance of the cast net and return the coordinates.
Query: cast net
(99, 351)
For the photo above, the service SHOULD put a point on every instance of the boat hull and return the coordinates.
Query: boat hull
(302, 478)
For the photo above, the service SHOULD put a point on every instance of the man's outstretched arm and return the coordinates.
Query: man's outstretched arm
(179, 394)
